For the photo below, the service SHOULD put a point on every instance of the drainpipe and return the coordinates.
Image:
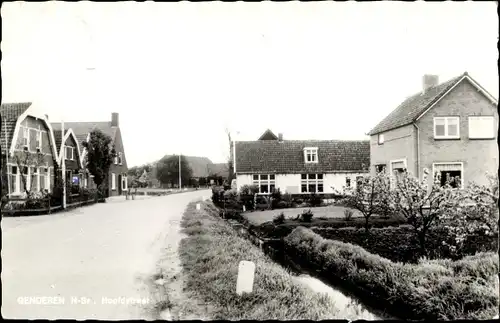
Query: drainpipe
(418, 150)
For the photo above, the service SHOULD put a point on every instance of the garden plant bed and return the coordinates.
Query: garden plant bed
(430, 289)
(210, 256)
(271, 230)
(331, 211)
(400, 244)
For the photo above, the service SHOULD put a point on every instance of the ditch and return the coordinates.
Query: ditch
(342, 296)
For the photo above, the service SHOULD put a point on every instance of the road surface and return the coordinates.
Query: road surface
(88, 263)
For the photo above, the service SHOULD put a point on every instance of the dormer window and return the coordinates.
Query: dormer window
(311, 155)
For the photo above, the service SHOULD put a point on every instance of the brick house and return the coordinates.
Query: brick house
(28, 146)
(299, 166)
(117, 176)
(449, 127)
(70, 154)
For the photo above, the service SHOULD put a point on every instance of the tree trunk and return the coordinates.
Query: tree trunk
(422, 242)
(367, 218)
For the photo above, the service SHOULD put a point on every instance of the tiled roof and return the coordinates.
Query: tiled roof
(272, 156)
(220, 169)
(411, 108)
(82, 129)
(10, 112)
(58, 139)
(268, 135)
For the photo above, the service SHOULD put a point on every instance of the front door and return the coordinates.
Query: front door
(120, 184)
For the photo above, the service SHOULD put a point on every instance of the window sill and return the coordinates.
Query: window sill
(491, 138)
(447, 138)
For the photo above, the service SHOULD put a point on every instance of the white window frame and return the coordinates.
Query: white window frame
(72, 152)
(392, 178)
(259, 181)
(17, 179)
(380, 139)
(46, 175)
(309, 181)
(313, 151)
(462, 178)
(120, 158)
(490, 118)
(26, 138)
(113, 181)
(124, 183)
(39, 141)
(446, 121)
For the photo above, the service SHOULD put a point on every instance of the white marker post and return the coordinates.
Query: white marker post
(246, 273)
(197, 206)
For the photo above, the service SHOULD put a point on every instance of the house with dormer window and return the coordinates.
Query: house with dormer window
(28, 151)
(117, 181)
(299, 166)
(447, 128)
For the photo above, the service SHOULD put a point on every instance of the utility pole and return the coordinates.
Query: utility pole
(63, 166)
(180, 182)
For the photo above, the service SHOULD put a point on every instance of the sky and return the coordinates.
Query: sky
(181, 73)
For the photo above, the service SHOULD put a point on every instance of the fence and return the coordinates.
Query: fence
(13, 206)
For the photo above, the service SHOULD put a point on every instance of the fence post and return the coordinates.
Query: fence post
(49, 204)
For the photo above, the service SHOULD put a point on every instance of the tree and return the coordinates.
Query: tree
(167, 171)
(99, 157)
(143, 179)
(231, 175)
(421, 206)
(369, 197)
(24, 159)
(475, 211)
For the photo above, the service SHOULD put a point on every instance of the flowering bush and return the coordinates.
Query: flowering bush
(423, 206)
(475, 212)
(371, 196)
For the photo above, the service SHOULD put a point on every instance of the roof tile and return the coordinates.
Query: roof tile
(411, 108)
(10, 112)
(272, 156)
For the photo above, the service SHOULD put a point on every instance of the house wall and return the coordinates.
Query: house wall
(20, 156)
(291, 183)
(478, 155)
(399, 143)
(71, 164)
(116, 168)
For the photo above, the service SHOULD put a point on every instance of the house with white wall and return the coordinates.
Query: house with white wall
(300, 166)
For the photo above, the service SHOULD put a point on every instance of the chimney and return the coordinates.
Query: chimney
(429, 81)
(47, 116)
(114, 119)
(280, 137)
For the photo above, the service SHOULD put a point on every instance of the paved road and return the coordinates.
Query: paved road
(87, 258)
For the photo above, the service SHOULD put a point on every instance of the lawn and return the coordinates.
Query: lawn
(321, 212)
(210, 256)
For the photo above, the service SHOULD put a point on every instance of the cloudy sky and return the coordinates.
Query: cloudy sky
(180, 73)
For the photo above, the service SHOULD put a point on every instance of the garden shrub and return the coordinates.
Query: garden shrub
(283, 205)
(348, 213)
(279, 219)
(400, 244)
(315, 200)
(429, 290)
(306, 216)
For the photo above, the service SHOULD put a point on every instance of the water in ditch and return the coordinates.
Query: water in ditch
(341, 297)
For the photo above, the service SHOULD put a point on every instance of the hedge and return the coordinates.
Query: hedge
(429, 290)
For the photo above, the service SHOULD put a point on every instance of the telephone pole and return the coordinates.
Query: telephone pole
(180, 181)
(63, 165)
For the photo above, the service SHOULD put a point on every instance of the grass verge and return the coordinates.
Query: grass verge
(430, 289)
(210, 255)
